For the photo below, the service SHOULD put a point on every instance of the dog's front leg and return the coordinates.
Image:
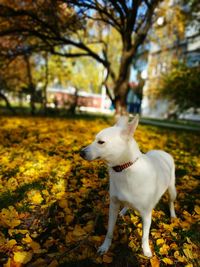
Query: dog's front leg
(146, 218)
(113, 212)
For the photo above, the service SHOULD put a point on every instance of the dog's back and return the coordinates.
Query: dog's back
(165, 169)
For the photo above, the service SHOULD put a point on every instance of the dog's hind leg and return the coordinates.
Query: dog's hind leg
(146, 218)
(172, 194)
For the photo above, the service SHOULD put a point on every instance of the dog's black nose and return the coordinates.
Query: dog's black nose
(82, 153)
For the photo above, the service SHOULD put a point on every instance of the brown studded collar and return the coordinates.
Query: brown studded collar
(120, 168)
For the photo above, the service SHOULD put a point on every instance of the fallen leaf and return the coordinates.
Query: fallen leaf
(11, 243)
(160, 241)
(27, 239)
(78, 231)
(107, 259)
(164, 250)
(35, 246)
(23, 256)
(154, 261)
(69, 218)
(188, 253)
(179, 257)
(63, 203)
(168, 261)
(197, 209)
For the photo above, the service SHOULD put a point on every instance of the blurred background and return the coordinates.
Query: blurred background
(103, 57)
(66, 67)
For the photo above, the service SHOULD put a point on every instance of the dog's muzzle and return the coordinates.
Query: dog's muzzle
(86, 153)
(83, 153)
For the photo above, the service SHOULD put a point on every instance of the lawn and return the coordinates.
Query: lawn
(54, 205)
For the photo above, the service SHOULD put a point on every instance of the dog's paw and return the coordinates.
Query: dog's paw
(102, 250)
(148, 253)
(104, 247)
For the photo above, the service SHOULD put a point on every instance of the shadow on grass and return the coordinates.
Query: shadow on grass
(123, 257)
(9, 198)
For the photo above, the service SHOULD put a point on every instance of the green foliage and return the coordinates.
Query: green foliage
(182, 85)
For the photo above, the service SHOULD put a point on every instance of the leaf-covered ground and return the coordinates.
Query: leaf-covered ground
(54, 205)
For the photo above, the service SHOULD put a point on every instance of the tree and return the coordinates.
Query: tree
(182, 86)
(19, 76)
(53, 25)
(12, 78)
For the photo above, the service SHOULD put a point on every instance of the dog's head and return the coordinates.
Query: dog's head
(111, 143)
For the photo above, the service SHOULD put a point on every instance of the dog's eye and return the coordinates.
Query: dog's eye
(100, 142)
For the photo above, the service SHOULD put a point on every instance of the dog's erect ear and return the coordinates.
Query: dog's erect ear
(122, 121)
(130, 129)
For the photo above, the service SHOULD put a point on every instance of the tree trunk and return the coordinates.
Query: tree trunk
(31, 85)
(120, 98)
(73, 106)
(8, 105)
(121, 87)
(32, 101)
(46, 83)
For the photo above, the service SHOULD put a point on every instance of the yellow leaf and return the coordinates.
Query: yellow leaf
(185, 225)
(96, 238)
(167, 261)
(134, 219)
(154, 262)
(27, 239)
(63, 203)
(98, 260)
(197, 209)
(16, 231)
(160, 241)
(173, 246)
(156, 234)
(22, 256)
(9, 217)
(11, 243)
(69, 218)
(190, 242)
(89, 227)
(178, 257)
(78, 231)
(188, 253)
(69, 237)
(107, 259)
(132, 244)
(35, 197)
(164, 250)
(35, 246)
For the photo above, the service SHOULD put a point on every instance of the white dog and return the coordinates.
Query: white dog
(136, 180)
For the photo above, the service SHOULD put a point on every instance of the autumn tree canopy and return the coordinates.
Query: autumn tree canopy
(75, 28)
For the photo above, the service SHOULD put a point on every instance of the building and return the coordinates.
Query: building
(173, 43)
(89, 102)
